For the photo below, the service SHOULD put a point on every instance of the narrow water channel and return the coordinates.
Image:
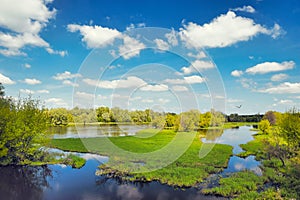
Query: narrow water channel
(235, 137)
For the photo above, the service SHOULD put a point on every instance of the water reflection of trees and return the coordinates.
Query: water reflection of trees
(23, 182)
(103, 180)
(212, 134)
(58, 130)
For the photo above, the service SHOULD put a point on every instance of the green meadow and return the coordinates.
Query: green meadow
(187, 170)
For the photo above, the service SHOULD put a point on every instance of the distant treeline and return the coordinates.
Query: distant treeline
(244, 118)
(189, 120)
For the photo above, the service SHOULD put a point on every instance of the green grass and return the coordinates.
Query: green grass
(71, 160)
(74, 161)
(284, 181)
(187, 170)
(237, 184)
(254, 147)
(229, 125)
(238, 124)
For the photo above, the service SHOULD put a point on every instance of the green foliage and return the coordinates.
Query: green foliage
(244, 118)
(59, 117)
(159, 122)
(264, 125)
(22, 131)
(205, 120)
(74, 161)
(270, 193)
(171, 120)
(81, 115)
(279, 154)
(217, 118)
(271, 117)
(102, 113)
(289, 127)
(2, 93)
(188, 121)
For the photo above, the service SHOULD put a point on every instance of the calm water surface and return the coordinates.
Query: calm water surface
(63, 182)
(95, 131)
(235, 137)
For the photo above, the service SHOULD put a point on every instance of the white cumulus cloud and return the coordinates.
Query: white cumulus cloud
(279, 77)
(6, 80)
(32, 81)
(285, 101)
(23, 22)
(180, 88)
(162, 45)
(248, 9)
(186, 80)
(56, 102)
(85, 95)
(26, 91)
(130, 48)
(129, 82)
(268, 67)
(70, 83)
(199, 55)
(27, 66)
(98, 37)
(66, 75)
(155, 88)
(197, 65)
(237, 73)
(172, 38)
(223, 31)
(95, 36)
(283, 88)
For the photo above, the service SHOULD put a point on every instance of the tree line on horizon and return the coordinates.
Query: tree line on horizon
(188, 120)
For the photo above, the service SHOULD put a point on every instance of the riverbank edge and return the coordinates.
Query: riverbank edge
(74, 161)
(226, 125)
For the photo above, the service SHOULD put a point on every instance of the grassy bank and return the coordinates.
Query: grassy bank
(278, 181)
(71, 160)
(187, 170)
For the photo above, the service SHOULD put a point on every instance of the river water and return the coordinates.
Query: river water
(235, 137)
(64, 182)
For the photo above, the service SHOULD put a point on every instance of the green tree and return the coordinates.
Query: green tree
(217, 118)
(171, 119)
(289, 127)
(100, 111)
(264, 126)
(59, 117)
(2, 93)
(158, 122)
(189, 121)
(205, 120)
(23, 131)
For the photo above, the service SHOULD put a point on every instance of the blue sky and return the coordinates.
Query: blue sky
(235, 52)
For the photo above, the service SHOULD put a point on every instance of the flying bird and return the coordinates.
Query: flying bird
(239, 106)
